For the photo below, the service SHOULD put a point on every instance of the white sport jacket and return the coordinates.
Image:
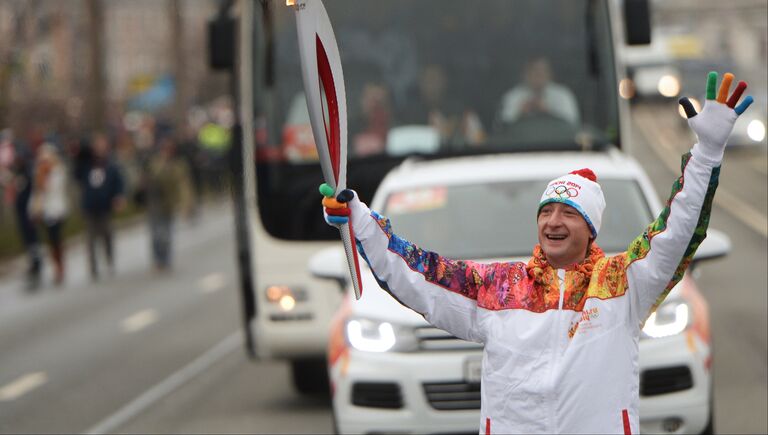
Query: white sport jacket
(561, 346)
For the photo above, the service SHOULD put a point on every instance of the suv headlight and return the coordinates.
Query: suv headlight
(756, 130)
(369, 335)
(671, 318)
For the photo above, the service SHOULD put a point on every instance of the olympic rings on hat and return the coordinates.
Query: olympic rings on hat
(562, 192)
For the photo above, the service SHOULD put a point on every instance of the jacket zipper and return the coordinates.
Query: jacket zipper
(556, 347)
(561, 286)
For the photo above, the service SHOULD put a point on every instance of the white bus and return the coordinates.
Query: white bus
(424, 78)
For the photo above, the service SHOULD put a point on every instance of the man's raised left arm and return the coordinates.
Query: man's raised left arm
(658, 258)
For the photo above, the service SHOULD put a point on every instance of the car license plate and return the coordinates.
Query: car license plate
(473, 370)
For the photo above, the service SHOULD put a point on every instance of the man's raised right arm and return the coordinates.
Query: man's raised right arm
(444, 291)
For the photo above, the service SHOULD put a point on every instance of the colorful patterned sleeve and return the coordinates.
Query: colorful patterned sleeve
(658, 258)
(444, 291)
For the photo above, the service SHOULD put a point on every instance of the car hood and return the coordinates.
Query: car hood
(376, 303)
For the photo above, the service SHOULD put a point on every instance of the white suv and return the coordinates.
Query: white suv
(392, 372)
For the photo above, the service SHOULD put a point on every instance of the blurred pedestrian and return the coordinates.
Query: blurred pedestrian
(215, 140)
(102, 189)
(189, 150)
(167, 189)
(19, 194)
(48, 203)
(7, 157)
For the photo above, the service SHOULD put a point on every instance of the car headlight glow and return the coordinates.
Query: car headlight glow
(371, 336)
(669, 319)
(756, 130)
(627, 88)
(669, 86)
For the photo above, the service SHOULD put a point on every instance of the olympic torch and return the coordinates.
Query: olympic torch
(324, 88)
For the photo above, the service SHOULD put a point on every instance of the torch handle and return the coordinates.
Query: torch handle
(350, 249)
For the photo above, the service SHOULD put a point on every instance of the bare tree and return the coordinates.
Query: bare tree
(96, 94)
(179, 61)
(8, 46)
(5, 87)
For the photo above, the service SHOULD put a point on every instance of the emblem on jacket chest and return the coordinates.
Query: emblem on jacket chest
(586, 322)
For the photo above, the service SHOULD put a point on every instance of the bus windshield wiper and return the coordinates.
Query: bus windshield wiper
(593, 57)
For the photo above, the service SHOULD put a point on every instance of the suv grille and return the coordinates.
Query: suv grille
(431, 338)
(453, 396)
(666, 380)
(377, 395)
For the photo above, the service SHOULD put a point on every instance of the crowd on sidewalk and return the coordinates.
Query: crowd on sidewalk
(156, 170)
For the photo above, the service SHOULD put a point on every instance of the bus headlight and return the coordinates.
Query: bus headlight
(284, 296)
(671, 318)
(669, 86)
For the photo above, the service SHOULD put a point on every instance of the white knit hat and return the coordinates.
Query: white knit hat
(580, 190)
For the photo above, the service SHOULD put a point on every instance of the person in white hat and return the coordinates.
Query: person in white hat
(548, 367)
(49, 204)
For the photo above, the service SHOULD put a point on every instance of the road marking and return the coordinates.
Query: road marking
(22, 386)
(138, 321)
(168, 385)
(726, 200)
(212, 282)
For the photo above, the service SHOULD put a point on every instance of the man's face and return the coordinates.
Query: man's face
(563, 234)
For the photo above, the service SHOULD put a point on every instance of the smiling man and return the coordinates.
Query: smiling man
(542, 373)
(569, 217)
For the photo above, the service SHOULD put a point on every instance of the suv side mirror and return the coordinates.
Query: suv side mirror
(330, 263)
(716, 245)
(637, 22)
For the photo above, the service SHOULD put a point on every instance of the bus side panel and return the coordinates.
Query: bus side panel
(291, 330)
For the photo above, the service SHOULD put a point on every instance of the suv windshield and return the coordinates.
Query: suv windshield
(435, 78)
(440, 218)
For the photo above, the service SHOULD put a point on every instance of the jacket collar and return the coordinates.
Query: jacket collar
(540, 270)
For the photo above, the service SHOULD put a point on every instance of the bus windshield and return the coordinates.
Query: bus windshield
(434, 78)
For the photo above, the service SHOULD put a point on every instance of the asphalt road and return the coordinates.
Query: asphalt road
(142, 352)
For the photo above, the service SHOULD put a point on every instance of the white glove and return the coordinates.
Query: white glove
(337, 211)
(714, 124)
